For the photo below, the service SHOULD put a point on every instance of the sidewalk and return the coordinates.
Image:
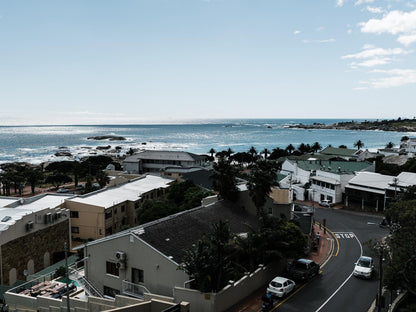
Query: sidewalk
(320, 256)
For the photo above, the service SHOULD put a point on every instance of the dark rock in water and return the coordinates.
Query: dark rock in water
(118, 148)
(108, 137)
(63, 154)
(144, 143)
(103, 147)
(63, 147)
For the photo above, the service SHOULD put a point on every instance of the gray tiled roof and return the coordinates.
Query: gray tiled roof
(173, 236)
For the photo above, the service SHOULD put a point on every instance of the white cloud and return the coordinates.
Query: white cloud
(326, 40)
(371, 52)
(320, 28)
(349, 31)
(371, 63)
(359, 2)
(375, 10)
(395, 22)
(395, 78)
(319, 41)
(340, 3)
(406, 40)
(296, 32)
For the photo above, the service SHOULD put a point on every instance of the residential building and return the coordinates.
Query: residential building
(200, 176)
(319, 180)
(278, 203)
(409, 146)
(33, 233)
(110, 210)
(338, 152)
(373, 190)
(155, 161)
(146, 258)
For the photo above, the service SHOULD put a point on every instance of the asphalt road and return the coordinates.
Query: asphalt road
(336, 289)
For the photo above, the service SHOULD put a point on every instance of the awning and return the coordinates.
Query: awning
(366, 189)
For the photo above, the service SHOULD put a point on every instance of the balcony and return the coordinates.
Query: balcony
(133, 290)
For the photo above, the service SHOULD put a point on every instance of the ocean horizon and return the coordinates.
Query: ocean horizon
(39, 143)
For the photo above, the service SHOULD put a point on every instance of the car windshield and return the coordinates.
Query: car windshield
(366, 263)
(300, 265)
(276, 284)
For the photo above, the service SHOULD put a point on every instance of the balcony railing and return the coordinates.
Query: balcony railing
(133, 290)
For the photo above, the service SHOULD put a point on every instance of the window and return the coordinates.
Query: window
(108, 214)
(115, 210)
(111, 268)
(74, 229)
(137, 276)
(111, 292)
(123, 208)
(74, 214)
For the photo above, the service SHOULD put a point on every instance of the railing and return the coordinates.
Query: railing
(134, 290)
(89, 289)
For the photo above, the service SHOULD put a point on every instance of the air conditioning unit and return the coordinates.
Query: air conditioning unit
(121, 256)
(120, 265)
(48, 218)
(58, 215)
(29, 225)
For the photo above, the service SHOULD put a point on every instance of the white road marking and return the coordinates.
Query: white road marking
(344, 235)
(338, 289)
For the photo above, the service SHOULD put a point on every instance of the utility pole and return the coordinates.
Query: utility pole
(380, 285)
(67, 277)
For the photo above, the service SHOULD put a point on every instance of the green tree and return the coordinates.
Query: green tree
(225, 179)
(57, 179)
(102, 178)
(212, 152)
(290, 148)
(262, 177)
(34, 176)
(316, 147)
(266, 153)
(401, 271)
(359, 144)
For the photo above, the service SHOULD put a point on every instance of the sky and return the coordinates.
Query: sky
(146, 61)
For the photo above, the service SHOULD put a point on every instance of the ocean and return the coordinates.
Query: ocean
(37, 144)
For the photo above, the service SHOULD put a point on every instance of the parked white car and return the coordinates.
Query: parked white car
(280, 286)
(364, 267)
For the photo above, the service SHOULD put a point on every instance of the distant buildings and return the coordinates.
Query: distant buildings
(155, 161)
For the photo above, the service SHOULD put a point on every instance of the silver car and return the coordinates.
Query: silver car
(364, 267)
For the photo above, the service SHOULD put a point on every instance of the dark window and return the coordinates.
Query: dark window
(123, 208)
(74, 229)
(111, 268)
(137, 276)
(108, 214)
(108, 291)
(74, 214)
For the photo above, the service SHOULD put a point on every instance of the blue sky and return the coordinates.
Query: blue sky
(99, 61)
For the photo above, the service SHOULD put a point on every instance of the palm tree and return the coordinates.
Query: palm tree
(224, 179)
(252, 151)
(358, 144)
(316, 147)
(212, 152)
(266, 153)
(229, 152)
(260, 181)
(290, 148)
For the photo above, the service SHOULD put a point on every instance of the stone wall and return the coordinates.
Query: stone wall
(33, 246)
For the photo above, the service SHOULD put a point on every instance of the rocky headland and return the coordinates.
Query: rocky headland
(397, 125)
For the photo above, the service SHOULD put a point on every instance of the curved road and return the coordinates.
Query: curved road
(336, 289)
